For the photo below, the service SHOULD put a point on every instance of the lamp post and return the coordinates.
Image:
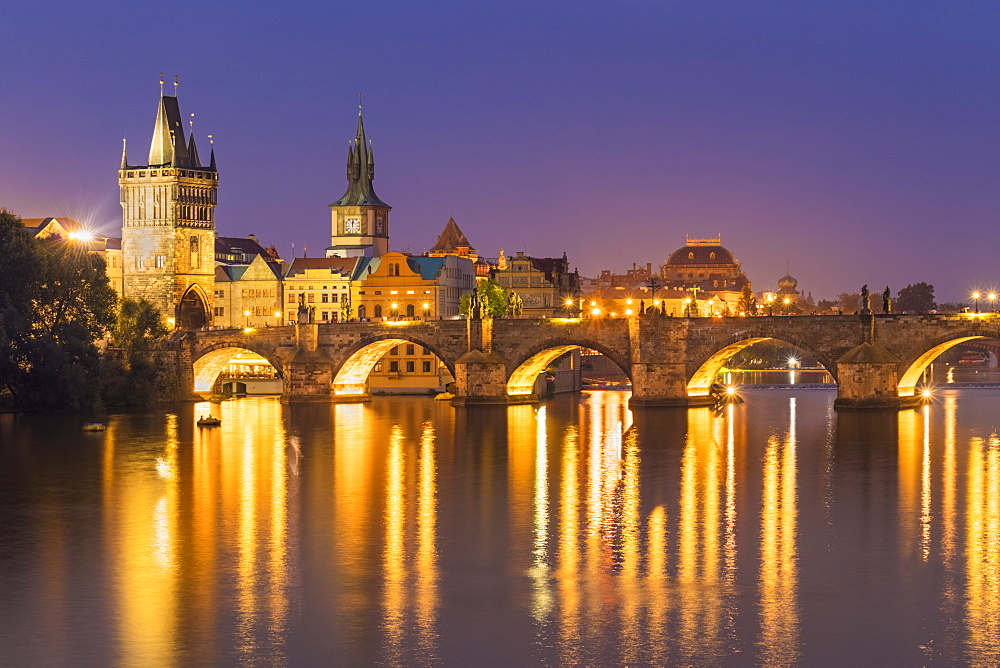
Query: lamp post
(395, 310)
(992, 297)
(975, 296)
(427, 310)
(769, 298)
(246, 314)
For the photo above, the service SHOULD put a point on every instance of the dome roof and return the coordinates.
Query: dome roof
(788, 282)
(701, 254)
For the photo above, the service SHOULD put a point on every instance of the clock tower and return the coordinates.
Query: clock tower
(359, 220)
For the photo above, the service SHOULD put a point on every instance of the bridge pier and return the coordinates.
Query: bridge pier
(662, 384)
(868, 377)
(481, 378)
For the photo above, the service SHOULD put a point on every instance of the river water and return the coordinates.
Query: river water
(407, 532)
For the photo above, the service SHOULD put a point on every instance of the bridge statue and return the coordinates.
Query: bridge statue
(866, 306)
(887, 301)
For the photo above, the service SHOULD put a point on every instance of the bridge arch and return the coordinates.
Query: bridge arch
(214, 358)
(700, 383)
(351, 378)
(521, 380)
(914, 367)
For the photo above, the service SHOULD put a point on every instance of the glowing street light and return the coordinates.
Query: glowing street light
(992, 297)
(246, 314)
(427, 310)
(975, 296)
(395, 310)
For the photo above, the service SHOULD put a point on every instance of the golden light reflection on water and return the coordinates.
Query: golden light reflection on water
(982, 552)
(625, 541)
(779, 635)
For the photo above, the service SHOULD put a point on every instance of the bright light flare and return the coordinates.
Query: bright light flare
(82, 235)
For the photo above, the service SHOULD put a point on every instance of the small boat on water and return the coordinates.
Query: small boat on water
(94, 426)
(209, 421)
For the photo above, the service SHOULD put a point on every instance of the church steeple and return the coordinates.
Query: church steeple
(360, 172)
(359, 219)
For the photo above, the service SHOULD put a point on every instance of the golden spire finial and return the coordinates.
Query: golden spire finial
(176, 84)
(210, 140)
(359, 104)
(191, 124)
(161, 84)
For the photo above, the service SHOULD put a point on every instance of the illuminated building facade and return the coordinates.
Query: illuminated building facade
(544, 284)
(323, 284)
(168, 223)
(396, 286)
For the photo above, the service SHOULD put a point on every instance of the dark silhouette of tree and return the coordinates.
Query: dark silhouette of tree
(916, 298)
(747, 303)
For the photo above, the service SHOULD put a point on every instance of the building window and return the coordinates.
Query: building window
(378, 366)
(311, 298)
(427, 367)
(160, 261)
(378, 310)
(326, 298)
(394, 351)
(409, 367)
(409, 310)
(362, 312)
(426, 352)
(410, 349)
(138, 262)
(220, 311)
(393, 366)
(691, 256)
(291, 298)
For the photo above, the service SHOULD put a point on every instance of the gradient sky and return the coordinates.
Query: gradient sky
(856, 140)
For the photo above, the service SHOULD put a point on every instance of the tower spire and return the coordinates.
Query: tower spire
(168, 145)
(124, 156)
(192, 149)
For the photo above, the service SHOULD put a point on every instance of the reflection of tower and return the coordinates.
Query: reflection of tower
(360, 220)
(168, 223)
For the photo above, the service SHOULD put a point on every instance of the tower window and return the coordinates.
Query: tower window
(160, 261)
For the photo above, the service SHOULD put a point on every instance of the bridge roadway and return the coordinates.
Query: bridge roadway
(877, 361)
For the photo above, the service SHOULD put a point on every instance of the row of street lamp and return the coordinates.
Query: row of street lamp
(992, 297)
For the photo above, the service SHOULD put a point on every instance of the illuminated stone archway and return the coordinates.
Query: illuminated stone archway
(701, 381)
(208, 367)
(352, 377)
(522, 380)
(192, 312)
(909, 379)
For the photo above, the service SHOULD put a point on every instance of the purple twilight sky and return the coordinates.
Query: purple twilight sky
(856, 140)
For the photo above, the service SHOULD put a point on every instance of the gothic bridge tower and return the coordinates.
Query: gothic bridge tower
(360, 220)
(168, 223)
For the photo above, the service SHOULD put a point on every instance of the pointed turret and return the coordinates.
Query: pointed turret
(211, 164)
(193, 152)
(360, 173)
(124, 156)
(168, 146)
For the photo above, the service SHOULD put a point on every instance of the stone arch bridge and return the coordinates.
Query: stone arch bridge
(877, 361)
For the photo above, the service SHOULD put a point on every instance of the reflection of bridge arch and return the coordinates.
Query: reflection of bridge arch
(700, 383)
(914, 367)
(522, 379)
(359, 360)
(215, 358)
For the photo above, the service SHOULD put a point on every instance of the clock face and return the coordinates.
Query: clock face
(352, 225)
(379, 226)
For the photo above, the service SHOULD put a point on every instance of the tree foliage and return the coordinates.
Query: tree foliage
(494, 296)
(916, 298)
(747, 303)
(55, 302)
(136, 362)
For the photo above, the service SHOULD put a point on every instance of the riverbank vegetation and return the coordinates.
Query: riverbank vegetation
(66, 341)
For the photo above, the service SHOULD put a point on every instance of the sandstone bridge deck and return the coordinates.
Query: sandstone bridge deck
(877, 361)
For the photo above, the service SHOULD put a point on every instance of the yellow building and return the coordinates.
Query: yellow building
(248, 295)
(396, 286)
(323, 284)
